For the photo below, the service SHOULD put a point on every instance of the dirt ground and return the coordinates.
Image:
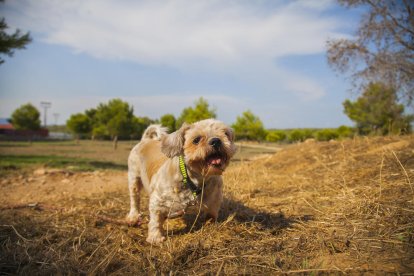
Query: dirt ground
(312, 208)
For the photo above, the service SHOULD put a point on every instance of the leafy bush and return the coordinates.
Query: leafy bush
(275, 136)
(300, 135)
(326, 134)
(345, 132)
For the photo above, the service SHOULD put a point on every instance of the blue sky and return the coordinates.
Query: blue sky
(160, 56)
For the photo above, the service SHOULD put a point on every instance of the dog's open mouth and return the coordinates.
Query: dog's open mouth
(216, 160)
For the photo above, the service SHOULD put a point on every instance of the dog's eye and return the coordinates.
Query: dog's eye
(197, 140)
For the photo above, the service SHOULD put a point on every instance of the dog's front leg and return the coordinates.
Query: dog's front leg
(155, 225)
(212, 200)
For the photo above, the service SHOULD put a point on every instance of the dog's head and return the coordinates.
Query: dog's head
(207, 146)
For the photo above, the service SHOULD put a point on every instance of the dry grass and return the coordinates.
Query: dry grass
(335, 207)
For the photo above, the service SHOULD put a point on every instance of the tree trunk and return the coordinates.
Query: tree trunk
(115, 142)
(77, 139)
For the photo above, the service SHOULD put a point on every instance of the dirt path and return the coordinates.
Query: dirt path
(54, 185)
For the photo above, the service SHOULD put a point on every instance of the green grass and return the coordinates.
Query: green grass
(15, 162)
(98, 153)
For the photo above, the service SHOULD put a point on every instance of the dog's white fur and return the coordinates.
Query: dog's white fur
(153, 165)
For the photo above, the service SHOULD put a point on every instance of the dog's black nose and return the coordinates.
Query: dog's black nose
(215, 142)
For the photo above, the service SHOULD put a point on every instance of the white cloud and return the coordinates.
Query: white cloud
(172, 31)
(211, 35)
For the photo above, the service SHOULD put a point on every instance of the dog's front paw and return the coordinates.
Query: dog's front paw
(155, 238)
(134, 219)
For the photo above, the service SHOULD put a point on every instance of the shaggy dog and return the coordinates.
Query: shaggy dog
(179, 170)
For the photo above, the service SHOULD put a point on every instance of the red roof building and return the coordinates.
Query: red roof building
(5, 124)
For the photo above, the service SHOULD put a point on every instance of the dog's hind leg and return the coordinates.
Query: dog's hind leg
(135, 188)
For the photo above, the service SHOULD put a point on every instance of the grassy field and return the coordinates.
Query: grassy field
(310, 208)
(87, 155)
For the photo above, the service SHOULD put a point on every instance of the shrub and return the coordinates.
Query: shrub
(300, 135)
(326, 134)
(275, 136)
(345, 132)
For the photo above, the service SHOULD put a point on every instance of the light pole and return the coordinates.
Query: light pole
(45, 106)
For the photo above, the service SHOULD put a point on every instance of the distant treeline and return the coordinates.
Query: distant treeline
(272, 135)
(376, 112)
(302, 134)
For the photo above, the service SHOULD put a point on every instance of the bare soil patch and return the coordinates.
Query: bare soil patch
(323, 208)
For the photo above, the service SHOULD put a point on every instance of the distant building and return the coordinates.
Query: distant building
(8, 132)
(5, 125)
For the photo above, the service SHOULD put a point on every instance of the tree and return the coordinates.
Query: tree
(168, 120)
(201, 111)
(99, 131)
(377, 111)
(141, 125)
(120, 125)
(91, 115)
(249, 126)
(114, 119)
(26, 117)
(79, 124)
(9, 42)
(383, 48)
(116, 116)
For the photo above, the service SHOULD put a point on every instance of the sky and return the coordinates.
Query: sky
(267, 56)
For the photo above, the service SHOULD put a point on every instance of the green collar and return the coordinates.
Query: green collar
(186, 180)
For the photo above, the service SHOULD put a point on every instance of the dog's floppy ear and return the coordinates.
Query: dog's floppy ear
(230, 134)
(172, 144)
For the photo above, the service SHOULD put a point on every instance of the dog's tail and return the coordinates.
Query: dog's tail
(154, 132)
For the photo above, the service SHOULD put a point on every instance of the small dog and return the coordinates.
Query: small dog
(179, 170)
